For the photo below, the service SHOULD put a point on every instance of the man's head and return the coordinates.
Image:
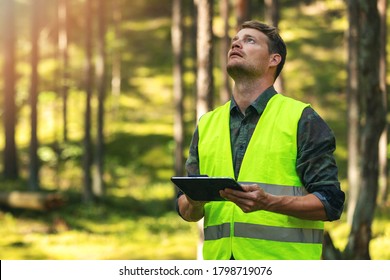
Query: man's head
(266, 40)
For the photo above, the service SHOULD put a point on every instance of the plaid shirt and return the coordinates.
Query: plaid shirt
(316, 165)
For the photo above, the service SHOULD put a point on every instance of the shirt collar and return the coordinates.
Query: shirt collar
(260, 103)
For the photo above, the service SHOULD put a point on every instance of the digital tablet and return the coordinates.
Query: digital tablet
(205, 188)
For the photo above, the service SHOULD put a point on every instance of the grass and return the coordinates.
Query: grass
(137, 219)
(132, 224)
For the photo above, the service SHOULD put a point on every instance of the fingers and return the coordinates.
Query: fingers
(248, 200)
(195, 202)
(245, 194)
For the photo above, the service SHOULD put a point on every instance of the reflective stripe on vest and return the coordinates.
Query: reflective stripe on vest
(282, 234)
(269, 161)
(279, 189)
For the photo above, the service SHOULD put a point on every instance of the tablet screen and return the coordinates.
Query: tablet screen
(205, 188)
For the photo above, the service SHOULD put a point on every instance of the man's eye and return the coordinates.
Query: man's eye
(250, 40)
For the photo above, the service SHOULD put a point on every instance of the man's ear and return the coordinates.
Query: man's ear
(275, 59)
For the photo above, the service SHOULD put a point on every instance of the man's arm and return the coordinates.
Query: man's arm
(254, 198)
(316, 164)
(187, 208)
(190, 210)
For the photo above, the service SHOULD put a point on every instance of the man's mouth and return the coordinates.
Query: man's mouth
(235, 53)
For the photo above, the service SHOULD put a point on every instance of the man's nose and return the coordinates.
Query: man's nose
(236, 44)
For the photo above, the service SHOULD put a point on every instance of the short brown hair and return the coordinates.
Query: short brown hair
(275, 42)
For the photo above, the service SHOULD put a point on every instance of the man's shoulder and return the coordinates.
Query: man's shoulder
(216, 111)
(290, 100)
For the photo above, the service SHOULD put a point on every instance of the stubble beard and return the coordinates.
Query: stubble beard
(238, 71)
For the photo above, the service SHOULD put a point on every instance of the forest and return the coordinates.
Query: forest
(99, 100)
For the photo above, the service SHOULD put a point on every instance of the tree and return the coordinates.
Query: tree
(353, 109)
(226, 89)
(204, 45)
(178, 85)
(10, 155)
(243, 11)
(371, 120)
(272, 16)
(116, 55)
(34, 160)
(88, 72)
(383, 166)
(98, 182)
(64, 60)
(204, 76)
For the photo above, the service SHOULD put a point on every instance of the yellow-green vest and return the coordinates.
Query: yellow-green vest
(270, 161)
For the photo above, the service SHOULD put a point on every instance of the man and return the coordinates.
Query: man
(278, 148)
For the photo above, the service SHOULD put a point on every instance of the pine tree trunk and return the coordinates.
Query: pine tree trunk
(373, 114)
(353, 104)
(87, 164)
(33, 152)
(178, 85)
(383, 166)
(98, 182)
(63, 57)
(10, 160)
(205, 81)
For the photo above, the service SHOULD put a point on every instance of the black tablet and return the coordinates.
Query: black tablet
(205, 188)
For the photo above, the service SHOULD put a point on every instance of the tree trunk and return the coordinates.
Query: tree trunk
(243, 11)
(373, 115)
(88, 195)
(116, 57)
(98, 182)
(63, 57)
(178, 85)
(272, 13)
(193, 49)
(353, 108)
(226, 89)
(204, 77)
(383, 166)
(34, 161)
(10, 159)
(205, 81)
(272, 16)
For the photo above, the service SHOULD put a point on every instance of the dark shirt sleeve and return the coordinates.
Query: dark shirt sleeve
(192, 163)
(316, 164)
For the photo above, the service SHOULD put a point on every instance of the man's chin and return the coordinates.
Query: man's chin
(235, 70)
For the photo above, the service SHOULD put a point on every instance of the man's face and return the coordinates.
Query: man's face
(249, 54)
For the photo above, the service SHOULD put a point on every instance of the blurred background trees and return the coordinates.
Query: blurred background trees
(99, 98)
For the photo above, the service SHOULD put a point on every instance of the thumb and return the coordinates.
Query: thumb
(250, 187)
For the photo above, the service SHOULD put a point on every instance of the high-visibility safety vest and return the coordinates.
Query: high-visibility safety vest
(269, 161)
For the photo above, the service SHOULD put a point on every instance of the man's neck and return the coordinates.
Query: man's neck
(245, 92)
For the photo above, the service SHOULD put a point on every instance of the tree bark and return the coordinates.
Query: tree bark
(116, 80)
(226, 89)
(98, 182)
(87, 164)
(205, 81)
(272, 16)
(178, 85)
(353, 109)
(64, 59)
(34, 161)
(10, 160)
(243, 11)
(383, 165)
(373, 114)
